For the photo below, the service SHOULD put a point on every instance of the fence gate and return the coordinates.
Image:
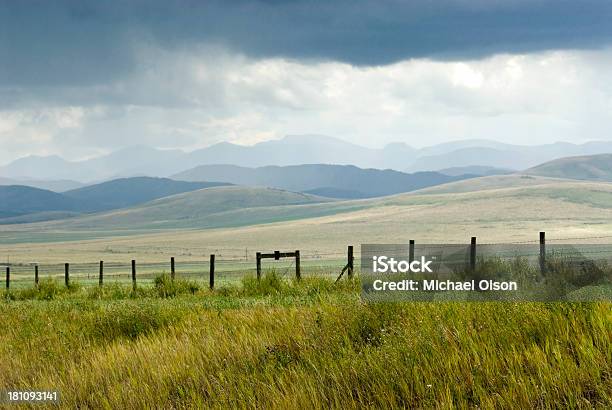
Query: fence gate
(276, 256)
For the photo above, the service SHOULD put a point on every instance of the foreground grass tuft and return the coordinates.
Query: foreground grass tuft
(47, 289)
(166, 287)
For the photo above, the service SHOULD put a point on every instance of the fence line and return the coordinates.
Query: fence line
(309, 260)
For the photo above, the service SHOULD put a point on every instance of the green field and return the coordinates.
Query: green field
(280, 344)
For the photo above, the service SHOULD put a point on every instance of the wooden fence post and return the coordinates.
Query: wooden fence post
(133, 274)
(36, 275)
(101, 274)
(67, 274)
(411, 251)
(542, 252)
(258, 257)
(473, 254)
(212, 272)
(350, 261)
(172, 268)
(298, 273)
(8, 277)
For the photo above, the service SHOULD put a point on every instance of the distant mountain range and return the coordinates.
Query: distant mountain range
(265, 194)
(589, 167)
(336, 181)
(296, 150)
(19, 204)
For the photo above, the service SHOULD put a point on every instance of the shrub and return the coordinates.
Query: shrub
(47, 289)
(576, 270)
(168, 287)
(269, 284)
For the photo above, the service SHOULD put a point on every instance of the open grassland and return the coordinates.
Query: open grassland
(283, 344)
(586, 167)
(495, 209)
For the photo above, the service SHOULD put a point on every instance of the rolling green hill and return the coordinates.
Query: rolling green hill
(19, 200)
(339, 193)
(493, 182)
(125, 192)
(498, 207)
(588, 167)
(24, 204)
(211, 207)
(479, 170)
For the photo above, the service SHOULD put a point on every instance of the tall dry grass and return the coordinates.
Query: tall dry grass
(310, 345)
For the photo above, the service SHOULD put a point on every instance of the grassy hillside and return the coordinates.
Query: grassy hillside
(589, 167)
(17, 200)
(479, 170)
(125, 192)
(24, 204)
(494, 182)
(498, 209)
(330, 192)
(39, 217)
(211, 207)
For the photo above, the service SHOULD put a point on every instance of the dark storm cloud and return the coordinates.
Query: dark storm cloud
(74, 43)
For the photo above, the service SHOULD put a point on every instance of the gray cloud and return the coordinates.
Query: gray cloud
(80, 78)
(191, 100)
(80, 42)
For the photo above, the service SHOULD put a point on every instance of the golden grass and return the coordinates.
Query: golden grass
(323, 349)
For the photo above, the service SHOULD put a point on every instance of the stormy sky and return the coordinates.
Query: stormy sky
(80, 78)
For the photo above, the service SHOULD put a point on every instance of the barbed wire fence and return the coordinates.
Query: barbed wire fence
(232, 264)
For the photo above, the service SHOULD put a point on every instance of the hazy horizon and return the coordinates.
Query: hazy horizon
(370, 147)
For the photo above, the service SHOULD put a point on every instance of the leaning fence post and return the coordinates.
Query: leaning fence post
(8, 277)
(298, 273)
(212, 272)
(133, 274)
(36, 275)
(258, 257)
(411, 251)
(101, 277)
(473, 254)
(542, 252)
(67, 274)
(350, 259)
(172, 267)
